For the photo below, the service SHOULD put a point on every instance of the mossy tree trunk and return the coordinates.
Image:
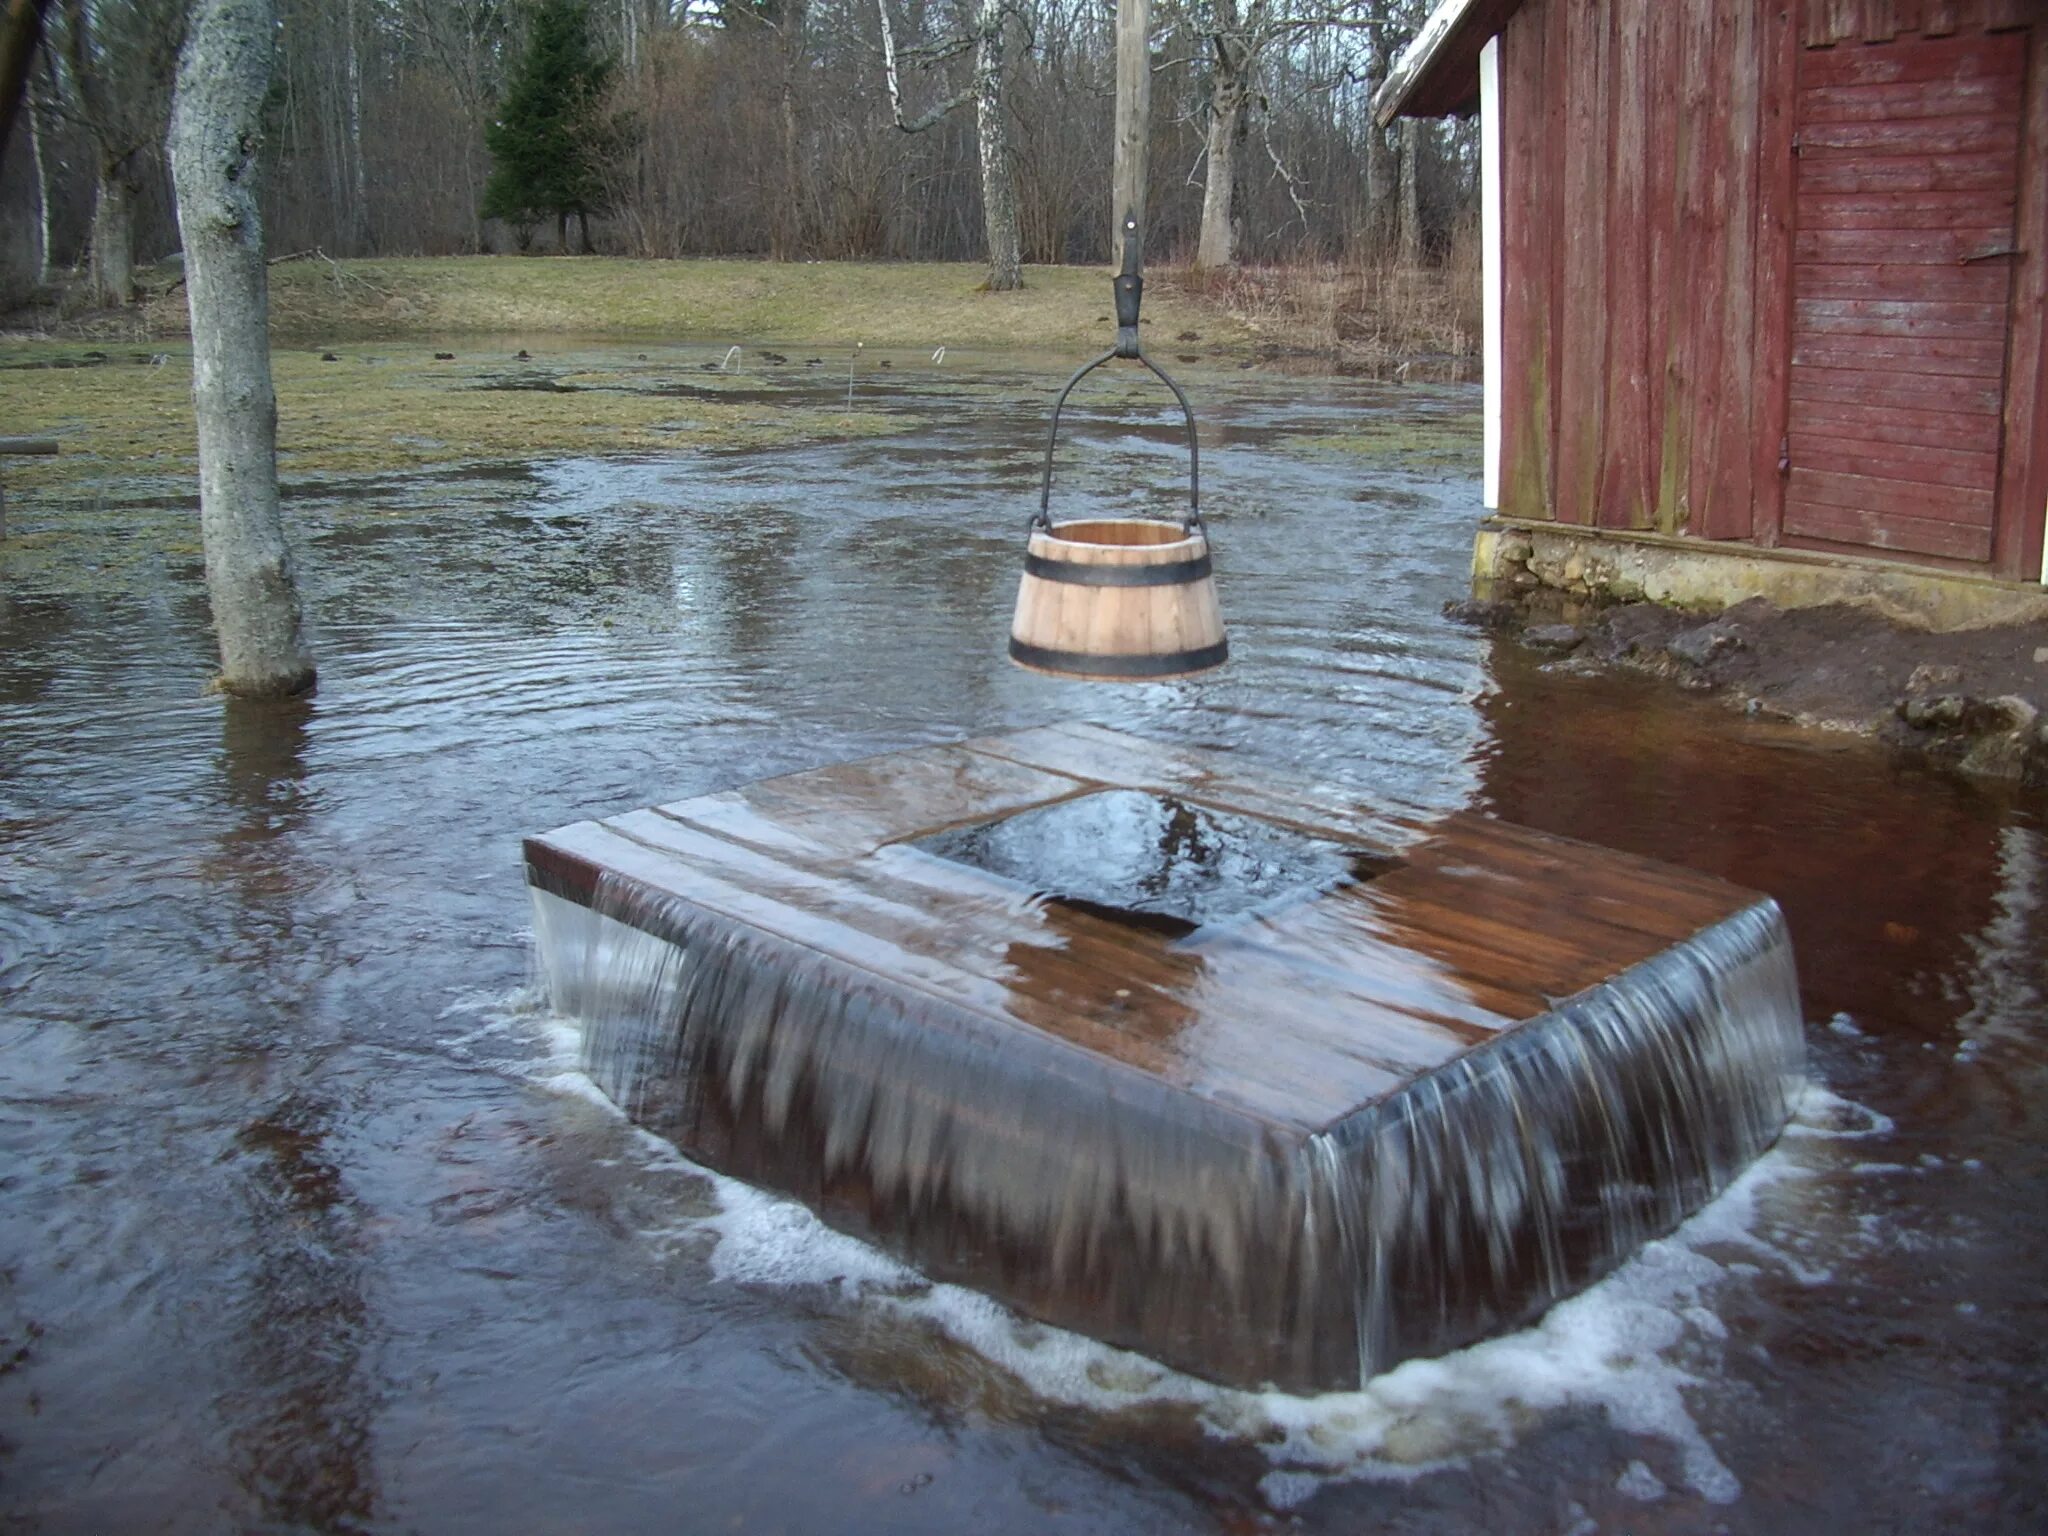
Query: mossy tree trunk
(217, 168)
(113, 232)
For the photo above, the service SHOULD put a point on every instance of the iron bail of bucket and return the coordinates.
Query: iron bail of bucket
(1119, 599)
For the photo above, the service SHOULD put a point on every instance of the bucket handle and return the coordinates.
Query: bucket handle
(1130, 288)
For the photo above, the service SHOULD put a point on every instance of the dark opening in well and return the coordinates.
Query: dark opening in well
(1155, 861)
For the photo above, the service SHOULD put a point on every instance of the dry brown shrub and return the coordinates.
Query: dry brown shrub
(1366, 309)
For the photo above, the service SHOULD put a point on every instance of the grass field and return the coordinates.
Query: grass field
(747, 302)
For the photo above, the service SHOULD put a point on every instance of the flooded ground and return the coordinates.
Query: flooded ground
(306, 1221)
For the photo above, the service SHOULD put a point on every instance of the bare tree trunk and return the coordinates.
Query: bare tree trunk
(1127, 176)
(113, 234)
(789, 217)
(39, 153)
(787, 236)
(1218, 244)
(359, 178)
(1411, 192)
(998, 182)
(217, 166)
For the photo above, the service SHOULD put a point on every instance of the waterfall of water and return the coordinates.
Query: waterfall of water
(1474, 1197)
(1107, 1201)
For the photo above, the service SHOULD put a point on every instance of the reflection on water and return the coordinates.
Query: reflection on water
(302, 1233)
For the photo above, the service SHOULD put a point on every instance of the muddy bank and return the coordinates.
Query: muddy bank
(1976, 700)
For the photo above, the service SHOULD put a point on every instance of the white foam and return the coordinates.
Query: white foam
(1640, 1483)
(1824, 1113)
(766, 1240)
(1632, 1347)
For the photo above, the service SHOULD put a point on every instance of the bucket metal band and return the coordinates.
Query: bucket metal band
(1087, 664)
(1075, 573)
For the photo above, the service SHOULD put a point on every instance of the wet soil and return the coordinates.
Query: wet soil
(309, 1224)
(1976, 700)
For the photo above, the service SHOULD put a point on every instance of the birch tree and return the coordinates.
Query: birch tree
(217, 168)
(983, 36)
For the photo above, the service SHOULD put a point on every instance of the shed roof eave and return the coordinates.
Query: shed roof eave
(1437, 75)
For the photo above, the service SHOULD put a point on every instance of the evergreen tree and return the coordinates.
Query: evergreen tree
(550, 142)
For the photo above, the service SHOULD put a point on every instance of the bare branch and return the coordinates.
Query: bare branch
(1292, 182)
(938, 113)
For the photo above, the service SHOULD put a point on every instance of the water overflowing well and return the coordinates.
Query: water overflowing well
(1272, 1089)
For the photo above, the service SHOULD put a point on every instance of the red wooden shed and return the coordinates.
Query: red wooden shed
(1766, 272)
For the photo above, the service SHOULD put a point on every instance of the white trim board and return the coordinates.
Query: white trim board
(1489, 237)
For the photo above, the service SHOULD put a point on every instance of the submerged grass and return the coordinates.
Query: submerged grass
(126, 416)
(1420, 441)
(121, 495)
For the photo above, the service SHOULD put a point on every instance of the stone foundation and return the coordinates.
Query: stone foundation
(1510, 559)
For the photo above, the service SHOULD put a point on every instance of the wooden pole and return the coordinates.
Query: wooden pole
(1133, 119)
(20, 31)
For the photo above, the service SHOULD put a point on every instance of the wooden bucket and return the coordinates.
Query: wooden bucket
(1118, 600)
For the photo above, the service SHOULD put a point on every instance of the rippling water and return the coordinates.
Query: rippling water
(305, 1222)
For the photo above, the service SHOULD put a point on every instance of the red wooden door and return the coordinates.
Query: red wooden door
(1905, 203)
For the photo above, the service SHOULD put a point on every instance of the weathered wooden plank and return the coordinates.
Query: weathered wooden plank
(1994, 169)
(869, 802)
(1689, 895)
(1498, 876)
(1901, 248)
(1528, 286)
(1878, 317)
(1900, 535)
(1557, 36)
(1660, 137)
(1624, 498)
(1730, 509)
(1939, 18)
(1102, 756)
(1863, 386)
(1694, 209)
(1827, 22)
(1583, 339)
(1716, 215)
(1924, 355)
(1990, 208)
(1894, 461)
(1983, 282)
(1905, 15)
(2023, 488)
(1963, 142)
(1873, 493)
(1778, 58)
(1961, 58)
(1910, 100)
(1859, 419)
